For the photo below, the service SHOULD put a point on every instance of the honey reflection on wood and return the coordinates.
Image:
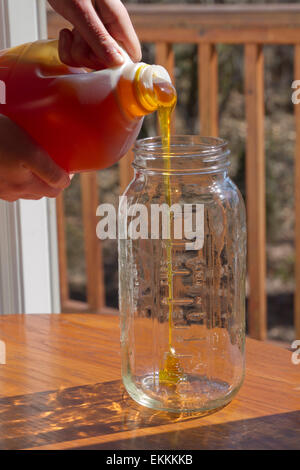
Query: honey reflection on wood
(74, 413)
(102, 416)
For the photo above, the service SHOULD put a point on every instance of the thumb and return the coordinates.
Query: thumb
(47, 170)
(18, 147)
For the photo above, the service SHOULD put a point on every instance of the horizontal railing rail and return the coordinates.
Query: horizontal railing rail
(252, 26)
(235, 24)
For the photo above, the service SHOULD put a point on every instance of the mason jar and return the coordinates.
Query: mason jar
(182, 258)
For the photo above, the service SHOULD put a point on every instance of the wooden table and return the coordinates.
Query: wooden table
(61, 389)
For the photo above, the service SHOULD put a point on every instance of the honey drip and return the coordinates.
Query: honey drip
(171, 371)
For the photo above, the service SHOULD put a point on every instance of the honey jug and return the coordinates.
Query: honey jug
(83, 120)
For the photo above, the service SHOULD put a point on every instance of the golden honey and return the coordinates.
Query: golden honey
(171, 371)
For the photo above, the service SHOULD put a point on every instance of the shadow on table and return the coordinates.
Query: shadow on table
(275, 432)
(88, 411)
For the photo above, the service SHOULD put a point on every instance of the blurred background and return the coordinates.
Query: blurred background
(279, 148)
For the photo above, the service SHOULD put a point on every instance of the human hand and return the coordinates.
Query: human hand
(26, 171)
(99, 25)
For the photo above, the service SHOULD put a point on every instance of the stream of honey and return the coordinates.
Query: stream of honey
(170, 372)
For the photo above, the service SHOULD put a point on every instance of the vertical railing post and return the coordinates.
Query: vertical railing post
(62, 251)
(208, 89)
(297, 200)
(93, 254)
(255, 189)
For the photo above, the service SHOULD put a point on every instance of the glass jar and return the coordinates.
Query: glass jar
(182, 295)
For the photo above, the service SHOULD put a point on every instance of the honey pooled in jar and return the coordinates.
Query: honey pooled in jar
(171, 373)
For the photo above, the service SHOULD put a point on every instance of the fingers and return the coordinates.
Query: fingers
(74, 51)
(31, 188)
(117, 22)
(36, 189)
(18, 150)
(64, 47)
(41, 165)
(82, 53)
(87, 22)
(101, 24)
(26, 171)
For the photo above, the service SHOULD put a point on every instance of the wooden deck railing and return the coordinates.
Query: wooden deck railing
(252, 26)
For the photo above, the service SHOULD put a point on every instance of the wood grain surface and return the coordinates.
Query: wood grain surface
(61, 389)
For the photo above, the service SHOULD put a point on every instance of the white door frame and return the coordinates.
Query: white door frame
(29, 276)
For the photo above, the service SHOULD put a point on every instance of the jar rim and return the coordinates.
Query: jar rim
(195, 145)
(187, 152)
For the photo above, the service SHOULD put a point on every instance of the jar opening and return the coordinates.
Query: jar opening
(187, 154)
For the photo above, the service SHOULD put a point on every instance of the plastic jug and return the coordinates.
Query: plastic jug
(84, 120)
